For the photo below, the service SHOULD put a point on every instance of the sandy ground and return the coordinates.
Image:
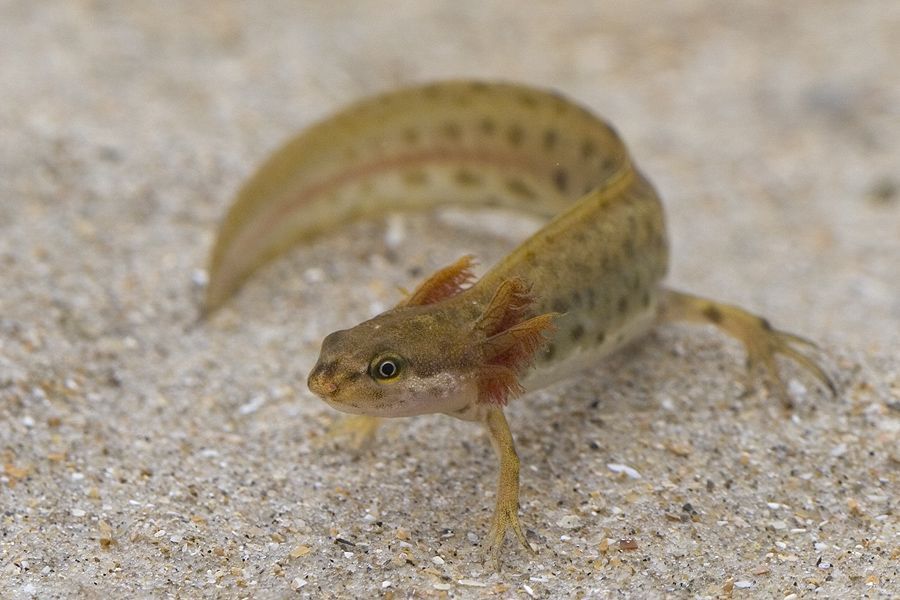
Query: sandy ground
(145, 457)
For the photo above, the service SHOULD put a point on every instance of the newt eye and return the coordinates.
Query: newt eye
(385, 368)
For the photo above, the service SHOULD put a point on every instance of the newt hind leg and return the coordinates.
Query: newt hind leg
(762, 342)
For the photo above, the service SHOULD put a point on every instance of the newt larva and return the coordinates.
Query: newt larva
(584, 285)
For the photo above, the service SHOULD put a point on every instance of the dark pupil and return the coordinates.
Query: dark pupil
(387, 369)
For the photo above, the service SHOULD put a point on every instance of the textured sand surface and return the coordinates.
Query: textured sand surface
(144, 456)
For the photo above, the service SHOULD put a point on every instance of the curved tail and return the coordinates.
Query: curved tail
(466, 143)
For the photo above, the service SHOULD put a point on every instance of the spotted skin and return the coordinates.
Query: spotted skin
(584, 285)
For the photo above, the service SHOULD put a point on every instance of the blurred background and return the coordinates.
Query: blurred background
(142, 451)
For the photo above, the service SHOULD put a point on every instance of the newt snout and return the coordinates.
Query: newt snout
(320, 383)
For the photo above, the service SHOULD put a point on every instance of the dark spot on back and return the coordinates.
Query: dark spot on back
(351, 153)
(577, 332)
(645, 299)
(635, 282)
(550, 138)
(417, 177)
(623, 305)
(561, 179)
(452, 130)
(516, 135)
(606, 262)
(560, 306)
(601, 336)
(609, 163)
(528, 100)
(487, 126)
(411, 135)
(467, 178)
(588, 149)
(519, 188)
(713, 314)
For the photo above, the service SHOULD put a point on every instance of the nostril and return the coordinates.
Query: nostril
(319, 384)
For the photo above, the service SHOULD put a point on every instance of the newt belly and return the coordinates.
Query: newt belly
(585, 284)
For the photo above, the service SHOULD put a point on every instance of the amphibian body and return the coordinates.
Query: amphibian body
(581, 287)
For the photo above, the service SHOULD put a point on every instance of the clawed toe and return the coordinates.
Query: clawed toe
(765, 344)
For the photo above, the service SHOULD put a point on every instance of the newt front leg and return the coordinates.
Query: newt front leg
(506, 512)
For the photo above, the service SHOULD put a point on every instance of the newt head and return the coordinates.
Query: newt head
(401, 363)
(437, 351)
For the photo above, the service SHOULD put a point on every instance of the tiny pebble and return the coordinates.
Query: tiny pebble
(253, 405)
(617, 468)
(297, 583)
(437, 560)
(77, 476)
(200, 278)
(314, 275)
(27, 421)
(773, 505)
(443, 587)
(77, 512)
(386, 584)
(796, 389)
(348, 555)
(569, 522)
(528, 589)
(742, 585)
(159, 533)
(791, 597)
(824, 565)
(779, 525)
(471, 583)
(396, 231)
(472, 537)
(839, 450)
(176, 539)
(821, 547)
(780, 545)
